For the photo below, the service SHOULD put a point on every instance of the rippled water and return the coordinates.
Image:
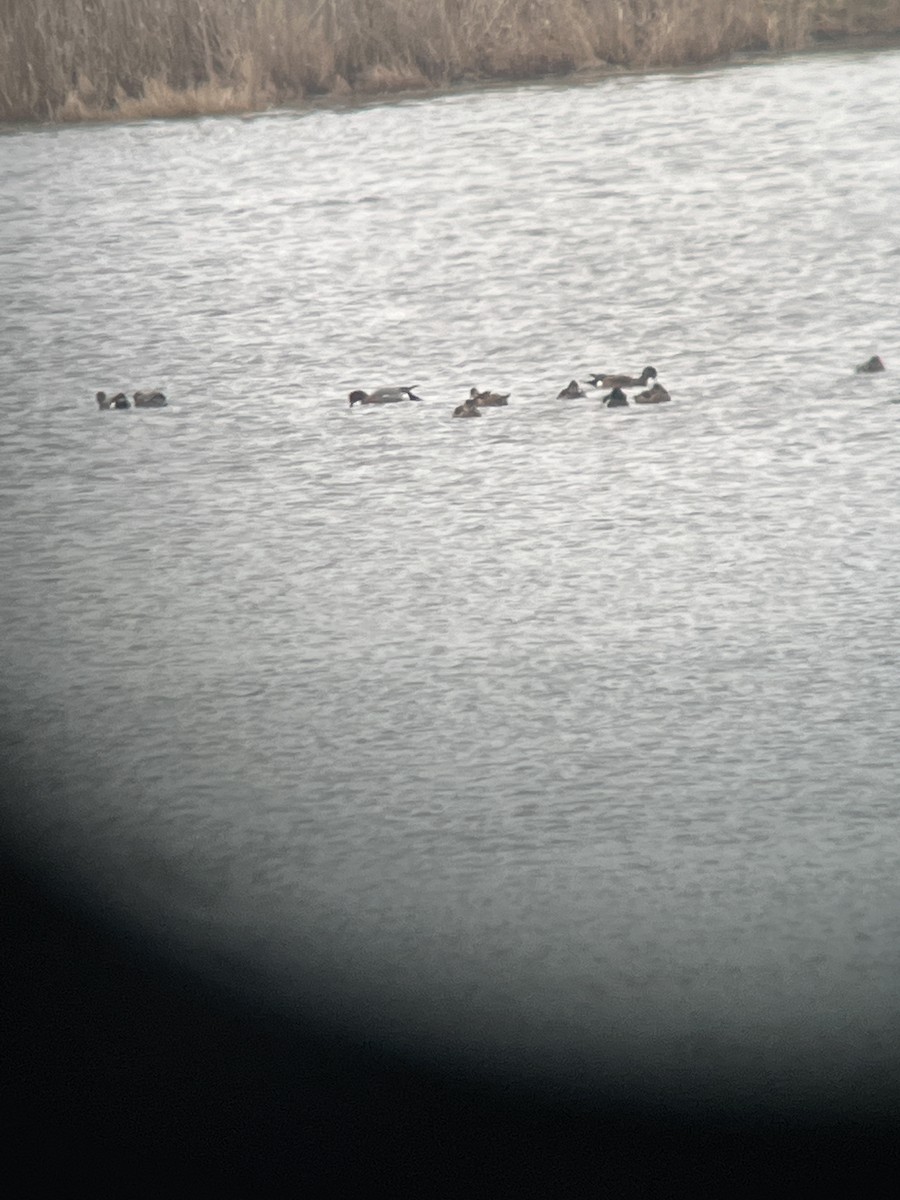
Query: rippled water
(569, 731)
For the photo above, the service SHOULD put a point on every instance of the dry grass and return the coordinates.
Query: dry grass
(77, 59)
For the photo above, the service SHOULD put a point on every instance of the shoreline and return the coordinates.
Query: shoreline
(159, 101)
(358, 98)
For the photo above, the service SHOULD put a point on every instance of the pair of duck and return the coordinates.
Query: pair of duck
(141, 400)
(657, 394)
(478, 400)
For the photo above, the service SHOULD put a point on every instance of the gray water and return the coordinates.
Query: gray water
(565, 738)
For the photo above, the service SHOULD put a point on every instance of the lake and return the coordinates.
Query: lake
(562, 741)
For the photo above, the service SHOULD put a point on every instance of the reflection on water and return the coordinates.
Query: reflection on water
(578, 716)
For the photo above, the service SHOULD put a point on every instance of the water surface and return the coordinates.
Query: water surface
(563, 738)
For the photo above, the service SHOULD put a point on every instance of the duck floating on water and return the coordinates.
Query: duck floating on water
(615, 399)
(489, 398)
(120, 400)
(149, 399)
(571, 391)
(384, 395)
(622, 381)
(869, 368)
(655, 395)
(469, 408)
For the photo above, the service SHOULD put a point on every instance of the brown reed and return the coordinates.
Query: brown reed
(78, 59)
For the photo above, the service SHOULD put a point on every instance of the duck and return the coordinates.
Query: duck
(468, 408)
(869, 368)
(615, 399)
(622, 381)
(384, 395)
(120, 400)
(489, 398)
(571, 391)
(655, 395)
(149, 400)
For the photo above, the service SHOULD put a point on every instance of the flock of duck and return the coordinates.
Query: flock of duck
(616, 398)
(477, 400)
(618, 385)
(141, 400)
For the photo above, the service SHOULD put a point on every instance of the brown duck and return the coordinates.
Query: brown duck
(622, 381)
(571, 391)
(468, 409)
(655, 395)
(869, 368)
(488, 398)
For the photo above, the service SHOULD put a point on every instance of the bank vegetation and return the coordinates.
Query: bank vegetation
(77, 59)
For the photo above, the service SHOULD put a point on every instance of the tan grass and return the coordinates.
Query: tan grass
(75, 59)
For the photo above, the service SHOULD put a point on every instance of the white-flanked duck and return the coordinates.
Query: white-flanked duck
(384, 395)
(120, 400)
